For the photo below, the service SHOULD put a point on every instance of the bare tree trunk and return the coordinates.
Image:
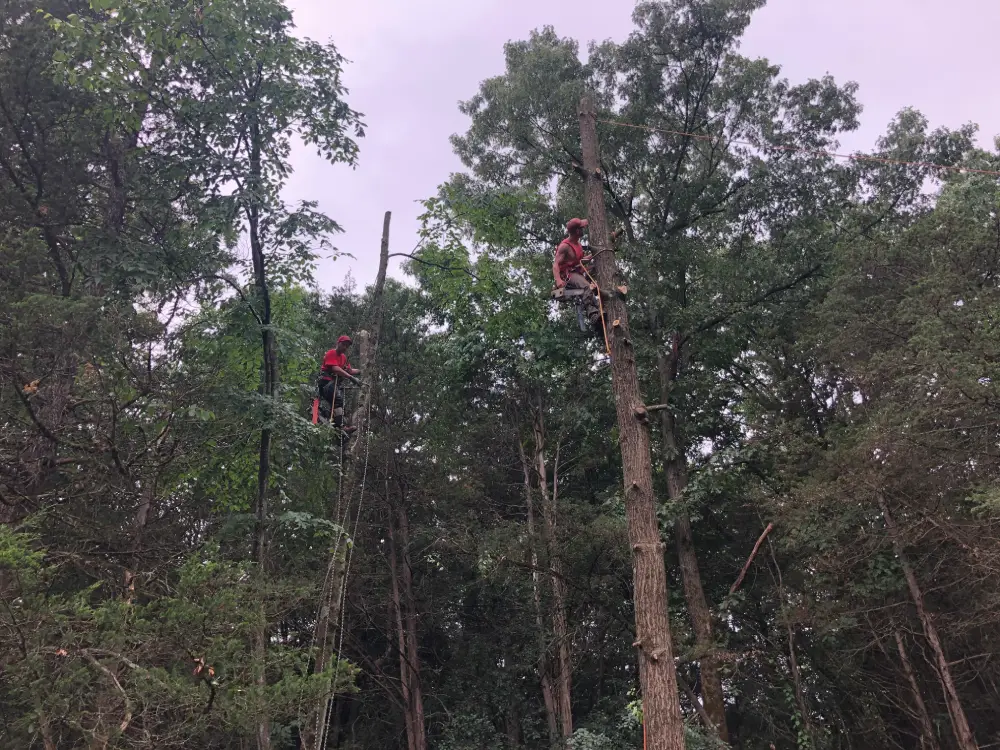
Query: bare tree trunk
(406, 629)
(404, 667)
(413, 657)
(560, 630)
(960, 724)
(675, 465)
(660, 701)
(928, 740)
(331, 596)
(548, 695)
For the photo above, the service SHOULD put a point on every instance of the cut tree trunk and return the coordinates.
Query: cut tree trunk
(959, 723)
(928, 740)
(675, 466)
(658, 680)
(332, 594)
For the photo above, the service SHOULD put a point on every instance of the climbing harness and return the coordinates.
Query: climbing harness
(576, 296)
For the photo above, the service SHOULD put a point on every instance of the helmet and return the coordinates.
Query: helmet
(344, 340)
(576, 224)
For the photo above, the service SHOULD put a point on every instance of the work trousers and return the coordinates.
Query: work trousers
(577, 280)
(331, 392)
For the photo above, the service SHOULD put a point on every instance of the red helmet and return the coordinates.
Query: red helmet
(576, 224)
(344, 340)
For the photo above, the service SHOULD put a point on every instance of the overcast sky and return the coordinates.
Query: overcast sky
(412, 61)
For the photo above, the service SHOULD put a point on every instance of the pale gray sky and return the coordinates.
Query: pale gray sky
(412, 61)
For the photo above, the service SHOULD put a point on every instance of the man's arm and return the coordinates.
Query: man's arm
(560, 252)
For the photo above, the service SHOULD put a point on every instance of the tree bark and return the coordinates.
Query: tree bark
(548, 694)
(928, 740)
(413, 658)
(332, 594)
(675, 467)
(406, 628)
(960, 724)
(660, 702)
(268, 388)
(560, 630)
(404, 668)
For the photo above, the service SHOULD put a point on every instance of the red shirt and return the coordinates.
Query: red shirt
(565, 266)
(333, 359)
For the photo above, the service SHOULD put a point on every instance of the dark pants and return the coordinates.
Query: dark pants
(577, 280)
(331, 392)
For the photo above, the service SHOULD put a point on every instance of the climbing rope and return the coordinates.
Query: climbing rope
(339, 468)
(600, 307)
(347, 567)
(342, 594)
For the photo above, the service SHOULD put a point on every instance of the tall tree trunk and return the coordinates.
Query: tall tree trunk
(268, 389)
(560, 629)
(928, 740)
(675, 466)
(331, 595)
(548, 695)
(960, 724)
(660, 701)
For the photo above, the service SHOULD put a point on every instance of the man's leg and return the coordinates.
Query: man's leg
(338, 406)
(593, 312)
(325, 398)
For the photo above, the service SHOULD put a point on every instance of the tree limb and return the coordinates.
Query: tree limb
(753, 554)
(435, 265)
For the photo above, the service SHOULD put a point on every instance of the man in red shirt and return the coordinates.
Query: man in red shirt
(568, 269)
(335, 370)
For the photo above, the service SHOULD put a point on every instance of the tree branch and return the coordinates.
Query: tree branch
(763, 297)
(435, 265)
(753, 554)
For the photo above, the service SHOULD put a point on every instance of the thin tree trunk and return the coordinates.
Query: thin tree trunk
(800, 696)
(404, 667)
(412, 655)
(960, 724)
(793, 661)
(928, 740)
(548, 695)
(269, 384)
(675, 465)
(660, 701)
(560, 630)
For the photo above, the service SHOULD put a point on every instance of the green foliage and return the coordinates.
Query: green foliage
(823, 334)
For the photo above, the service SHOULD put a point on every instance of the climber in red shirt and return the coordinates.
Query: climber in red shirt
(568, 269)
(334, 371)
